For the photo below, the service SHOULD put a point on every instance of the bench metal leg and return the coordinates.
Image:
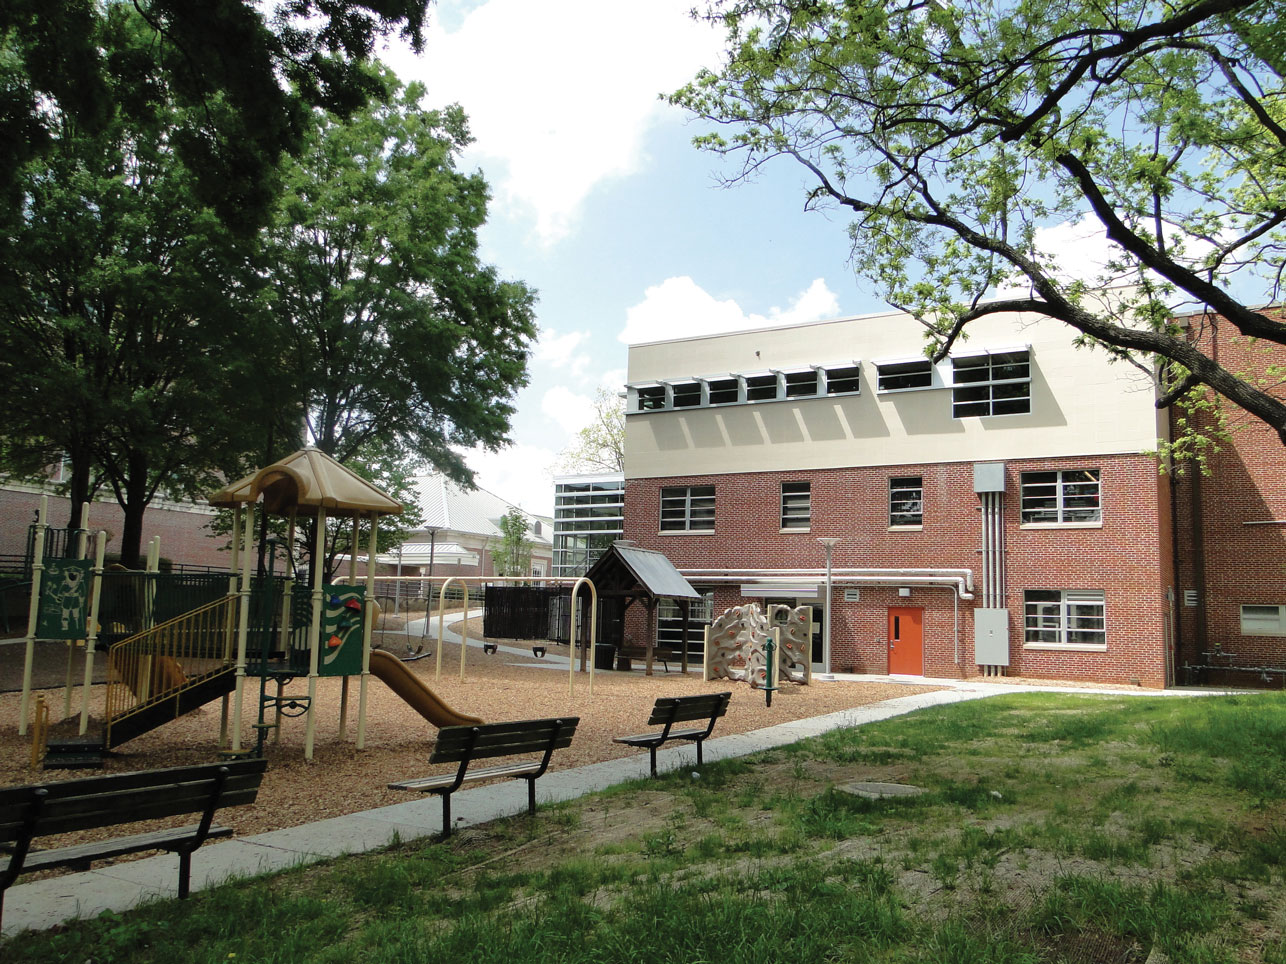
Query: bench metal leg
(699, 742)
(652, 750)
(185, 873)
(531, 796)
(446, 815)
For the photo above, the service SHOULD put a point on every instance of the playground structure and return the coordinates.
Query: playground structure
(744, 642)
(171, 651)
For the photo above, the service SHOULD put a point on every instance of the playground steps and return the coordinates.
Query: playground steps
(75, 753)
(149, 716)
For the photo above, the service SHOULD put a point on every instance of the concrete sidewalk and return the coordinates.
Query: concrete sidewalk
(46, 903)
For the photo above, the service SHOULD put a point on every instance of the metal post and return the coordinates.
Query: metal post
(829, 544)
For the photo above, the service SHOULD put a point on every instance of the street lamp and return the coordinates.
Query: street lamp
(829, 544)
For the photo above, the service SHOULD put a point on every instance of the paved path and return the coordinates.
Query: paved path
(46, 903)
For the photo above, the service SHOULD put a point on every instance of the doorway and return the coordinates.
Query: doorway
(906, 641)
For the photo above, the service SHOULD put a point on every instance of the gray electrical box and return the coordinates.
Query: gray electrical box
(988, 477)
(991, 637)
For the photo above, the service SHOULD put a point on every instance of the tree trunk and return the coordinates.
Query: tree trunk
(134, 506)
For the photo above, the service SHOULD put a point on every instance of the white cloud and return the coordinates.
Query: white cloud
(521, 474)
(572, 412)
(561, 93)
(679, 307)
(560, 351)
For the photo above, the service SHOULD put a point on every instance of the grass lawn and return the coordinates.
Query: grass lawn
(1052, 828)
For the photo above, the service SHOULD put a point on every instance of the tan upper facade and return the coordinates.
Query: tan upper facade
(859, 391)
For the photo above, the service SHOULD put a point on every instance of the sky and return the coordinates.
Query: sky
(601, 203)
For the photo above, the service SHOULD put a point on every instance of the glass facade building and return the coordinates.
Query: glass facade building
(589, 515)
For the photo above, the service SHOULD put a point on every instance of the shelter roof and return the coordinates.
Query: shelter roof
(309, 481)
(629, 570)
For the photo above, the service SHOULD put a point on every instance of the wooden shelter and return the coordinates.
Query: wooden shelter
(628, 574)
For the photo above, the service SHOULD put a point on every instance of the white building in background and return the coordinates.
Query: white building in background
(589, 515)
(461, 530)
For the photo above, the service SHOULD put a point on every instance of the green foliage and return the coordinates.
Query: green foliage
(400, 335)
(600, 445)
(513, 558)
(954, 133)
(228, 65)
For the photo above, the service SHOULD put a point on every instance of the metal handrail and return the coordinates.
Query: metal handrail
(162, 662)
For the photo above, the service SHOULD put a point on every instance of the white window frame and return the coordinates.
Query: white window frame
(684, 499)
(904, 488)
(1064, 480)
(998, 388)
(1260, 625)
(852, 371)
(799, 383)
(902, 367)
(723, 384)
(1058, 615)
(790, 506)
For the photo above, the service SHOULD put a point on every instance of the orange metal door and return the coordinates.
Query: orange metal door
(906, 641)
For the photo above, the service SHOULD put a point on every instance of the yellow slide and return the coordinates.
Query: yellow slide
(418, 696)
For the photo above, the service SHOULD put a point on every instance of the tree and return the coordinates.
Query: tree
(244, 74)
(401, 336)
(953, 132)
(600, 445)
(513, 558)
(130, 342)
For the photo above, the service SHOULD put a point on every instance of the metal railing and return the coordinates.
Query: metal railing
(162, 662)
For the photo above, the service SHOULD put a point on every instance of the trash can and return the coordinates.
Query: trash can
(604, 653)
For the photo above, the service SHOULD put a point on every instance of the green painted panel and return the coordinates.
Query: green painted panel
(64, 599)
(341, 630)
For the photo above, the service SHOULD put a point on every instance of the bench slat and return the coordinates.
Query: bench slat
(101, 850)
(682, 709)
(135, 778)
(456, 743)
(446, 779)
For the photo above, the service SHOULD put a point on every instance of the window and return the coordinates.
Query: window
(1065, 618)
(1061, 498)
(761, 388)
(796, 505)
(687, 509)
(651, 397)
(686, 394)
(801, 384)
(906, 501)
(723, 391)
(903, 376)
(843, 379)
(993, 384)
(1263, 620)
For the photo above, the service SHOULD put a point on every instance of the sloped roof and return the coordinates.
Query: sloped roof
(445, 505)
(308, 481)
(650, 572)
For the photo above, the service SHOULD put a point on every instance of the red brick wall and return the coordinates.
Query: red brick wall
(1127, 558)
(185, 534)
(1232, 534)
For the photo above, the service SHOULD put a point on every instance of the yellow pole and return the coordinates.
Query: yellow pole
(314, 638)
(368, 617)
(442, 611)
(464, 628)
(39, 730)
(92, 639)
(243, 626)
(33, 614)
(81, 535)
(229, 628)
(593, 633)
(352, 581)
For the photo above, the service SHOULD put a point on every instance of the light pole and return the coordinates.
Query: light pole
(829, 545)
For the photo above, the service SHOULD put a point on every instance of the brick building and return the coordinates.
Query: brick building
(992, 513)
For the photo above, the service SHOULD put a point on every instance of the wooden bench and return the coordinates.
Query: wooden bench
(464, 744)
(680, 709)
(626, 654)
(90, 803)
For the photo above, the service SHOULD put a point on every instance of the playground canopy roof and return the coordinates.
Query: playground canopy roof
(309, 481)
(631, 571)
